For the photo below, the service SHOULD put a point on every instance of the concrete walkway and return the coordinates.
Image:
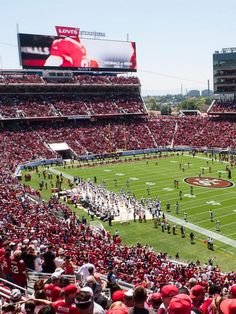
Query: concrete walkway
(207, 233)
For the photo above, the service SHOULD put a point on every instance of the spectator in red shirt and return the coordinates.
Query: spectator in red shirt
(65, 305)
(18, 270)
(53, 289)
(5, 264)
(167, 293)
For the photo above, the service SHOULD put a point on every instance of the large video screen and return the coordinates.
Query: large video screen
(40, 51)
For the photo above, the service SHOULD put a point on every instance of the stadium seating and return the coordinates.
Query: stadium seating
(223, 107)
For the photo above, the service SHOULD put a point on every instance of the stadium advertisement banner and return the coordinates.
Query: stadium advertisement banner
(67, 31)
(81, 54)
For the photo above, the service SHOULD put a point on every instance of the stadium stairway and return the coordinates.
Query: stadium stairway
(173, 138)
(152, 136)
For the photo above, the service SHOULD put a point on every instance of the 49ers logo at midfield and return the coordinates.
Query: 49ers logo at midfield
(207, 182)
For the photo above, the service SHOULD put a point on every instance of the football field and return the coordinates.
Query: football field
(199, 184)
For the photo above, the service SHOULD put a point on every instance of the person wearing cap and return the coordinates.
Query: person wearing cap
(155, 301)
(53, 290)
(85, 303)
(129, 298)
(180, 304)
(228, 306)
(14, 297)
(94, 285)
(118, 295)
(197, 295)
(232, 292)
(167, 293)
(65, 305)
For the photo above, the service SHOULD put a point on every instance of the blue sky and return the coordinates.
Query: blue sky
(175, 38)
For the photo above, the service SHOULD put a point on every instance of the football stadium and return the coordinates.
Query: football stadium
(105, 207)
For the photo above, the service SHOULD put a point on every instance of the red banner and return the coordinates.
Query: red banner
(67, 31)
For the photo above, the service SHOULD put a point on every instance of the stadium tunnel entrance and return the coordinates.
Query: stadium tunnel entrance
(64, 150)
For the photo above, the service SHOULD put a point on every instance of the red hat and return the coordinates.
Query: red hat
(169, 291)
(156, 297)
(196, 291)
(180, 304)
(118, 295)
(228, 306)
(70, 289)
(232, 290)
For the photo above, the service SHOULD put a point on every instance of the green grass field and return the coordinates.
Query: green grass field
(158, 175)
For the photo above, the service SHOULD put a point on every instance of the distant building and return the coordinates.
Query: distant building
(193, 93)
(206, 93)
(224, 71)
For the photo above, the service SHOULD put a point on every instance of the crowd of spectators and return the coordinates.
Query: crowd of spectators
(39, 105)
(29, 142)
(19, 78)
(33, 236)
(203, 132)
(23, 78)
(222, 107)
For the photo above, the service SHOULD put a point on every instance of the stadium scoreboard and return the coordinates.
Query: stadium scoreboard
(75, 53)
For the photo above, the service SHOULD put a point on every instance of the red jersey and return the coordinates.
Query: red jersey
(5, 263)
(52, 292)
(68, 268)
(71, 51)
(61, 307)
(18, 270)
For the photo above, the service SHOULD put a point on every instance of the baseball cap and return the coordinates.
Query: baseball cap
(169, 291)
(15, 295)
(129, 293)
(180, 304)
(118, 295)
(156, 297)
(228, 306)
(70, 289)
(83, 297)
(88, 290)
(196, 291)
(56, 275)
(232, 290)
